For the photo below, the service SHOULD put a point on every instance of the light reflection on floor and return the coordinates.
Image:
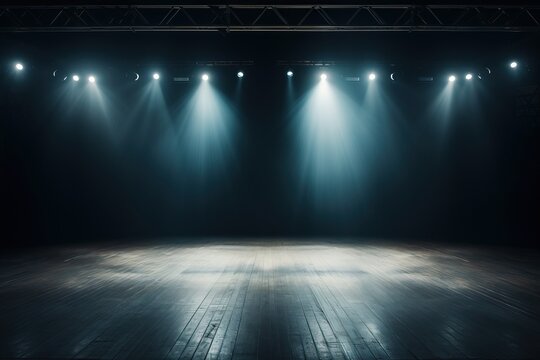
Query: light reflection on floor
(270, 299)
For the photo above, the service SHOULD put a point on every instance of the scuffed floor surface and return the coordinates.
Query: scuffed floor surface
(270, 299)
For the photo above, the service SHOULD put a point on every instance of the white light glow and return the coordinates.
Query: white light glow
(75, 77)
(468, 76)
(240, 74)
(290, 73)
(19, 66)
(324, 76)
(372, 76)
(205, 136)
(92, 79)
(452, 78)
(156, 76)
(513, 64)
(205, 77)
(332, 146)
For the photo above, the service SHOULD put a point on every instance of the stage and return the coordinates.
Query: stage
(270, 298)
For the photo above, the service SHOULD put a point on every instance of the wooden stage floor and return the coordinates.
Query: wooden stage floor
(270, 299)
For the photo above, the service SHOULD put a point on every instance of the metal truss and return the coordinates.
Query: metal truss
(178, 17)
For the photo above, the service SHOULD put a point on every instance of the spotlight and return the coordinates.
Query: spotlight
(290, 73)
(92, 79)
(156, 76)
(451, 78)
(75, 77)
(468, 76)
(240, 74)
(323, 76)
(513, 64)
(19, 66)
(205, 77)
(372, 76)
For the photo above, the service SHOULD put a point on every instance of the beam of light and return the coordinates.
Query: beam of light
(442, 105)
(67, 101)
(90, 107)
(332, 138)
(19, 66)
(383, 121)
(205, 77)
(148, 120)
(513, 64)
(203, 140)
(99, 106)
(75, 77)
(290, 93)
(379, 107)
(324, 76)
(471, 115)
(440, 114)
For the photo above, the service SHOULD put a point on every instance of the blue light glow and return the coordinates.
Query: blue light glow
(202, 139)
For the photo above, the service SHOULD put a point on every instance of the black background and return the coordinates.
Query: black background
(67, 178)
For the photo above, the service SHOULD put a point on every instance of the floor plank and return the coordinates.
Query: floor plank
(270, 299)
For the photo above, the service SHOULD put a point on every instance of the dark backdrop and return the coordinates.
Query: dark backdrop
(69, 175)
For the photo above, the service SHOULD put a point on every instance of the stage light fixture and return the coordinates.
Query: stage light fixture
(19, 67)
(468, 76)
(324, 76)
(92, 79)
(372, 76)
(75, 77)
(156, 76)
(513, 64)
(452, 78)
(205, 77)
(240, 74)
(290, 73)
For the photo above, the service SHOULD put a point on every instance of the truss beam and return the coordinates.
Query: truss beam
(100, 18)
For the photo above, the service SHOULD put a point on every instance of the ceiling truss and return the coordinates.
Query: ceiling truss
(229, 18)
